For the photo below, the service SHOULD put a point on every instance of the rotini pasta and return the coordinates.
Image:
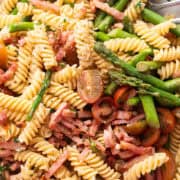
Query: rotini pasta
(12, 52)
(146, 166)
(151, 37)
(7, 6)
(24, 9)
(169, 69)
(6, 20)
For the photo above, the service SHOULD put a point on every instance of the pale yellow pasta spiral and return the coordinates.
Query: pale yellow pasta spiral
(45, 132)
(126, 44)
(24, 9)
(177, 175)
(47, 149)
(32, 90)
(51, 101)
(79, 166)
(101, 167)
(31, 128)
(169, 69)
(168, 54)
(6, 20)
(14, 103)
(124, 56)
(7, 6)
(134, 9)
(151, 37)
(66, 95)
(33, 159)
(175, 139)
(146, 166)
(164, 27)
(83, 34)
(177, 160)
(12, 132)
(67, 11)
(73, 177)
(12, 52)
(62, 172)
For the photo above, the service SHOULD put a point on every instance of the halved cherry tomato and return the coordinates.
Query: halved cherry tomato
(150, 137)
(135, 128)
(104, 110)
(120, 95)
(167, 120)
(3, 55)
(169, 168)
(90, 85)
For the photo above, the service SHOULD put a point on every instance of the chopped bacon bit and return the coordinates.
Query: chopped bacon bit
(109, 138)
(21, 42)
(88, 122)
(5, 90)
(92, 6)
(60, 54)
(158, 174)
(57, 164)
(125, 154)
(136, 149)
(127, 115)
(5, 153)
(83, 114)
(109, 10)
(67, 113)
(150, 176)
(94, 127)
(8, 74)
(84, 154)
(3, 118)
(15, 166)
(118, 25)
(44, 5)
(137, 118)
(10, 145)
(77, 140)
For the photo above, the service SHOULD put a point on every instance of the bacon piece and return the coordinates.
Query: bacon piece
(84, 154)
(83, 114)
(57, 164)
(10, 145)
(158, 174)
(5, 153)
(109, 138)
(67, 113)
(21, 41)
(46, 6)
(60, 54)
(150, 176)
(125, 154)
(137, 118)
(5, 90)
(3, 118)
(127, 115)
(109, 10)
(135, 149)
(118, 25)
(8, 74)
(94, 127)
(15, 166)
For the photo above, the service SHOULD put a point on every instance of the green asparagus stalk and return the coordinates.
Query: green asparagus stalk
(14, 11)
(39, 97)
(145, 88)
(130, 70)
(21, 26)
(144, 66)
(133, 101)
(150, 111)
(110, 88)
(173, 84)
(155, 18)
(128, 25)
(101, 36)
(118, 33)
(140, 57)
(108, 20)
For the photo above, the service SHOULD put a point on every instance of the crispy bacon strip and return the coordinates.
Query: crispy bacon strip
(109, 10)
(5, 153)
(10, 145)
(109, 138)
(3, 118)
(125, 115)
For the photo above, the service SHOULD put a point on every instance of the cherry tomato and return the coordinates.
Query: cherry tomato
(136, 128)
(167, 120)
(150, 137)
(120, 95)
(90, 86)
(169, 168)
(104, 110)
(3, 55)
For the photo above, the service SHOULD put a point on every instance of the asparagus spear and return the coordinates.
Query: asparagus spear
(173, 84)
(101, 36)
(155, 18)
(39, 97)
(108, 20)
(14, 11)
(133, 101)
(21, 26)
(144, 66)
(140, 57)
(150, 111)
(145, 88)
(130, 70)
(110, 88)
(118, 33)
(128, 25)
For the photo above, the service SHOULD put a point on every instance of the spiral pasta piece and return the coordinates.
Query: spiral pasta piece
(24, 9)
(47, 149)
(177, 175)
(6, 20)
(66, 95)
(168, 54)
(169, 69)
(146, 166)
(134, 9)
(12, 52)
(31, 128)
(32, 90)
(73, 177)
(33, 159)
(14, 103)
(62, 172)
(124, 56)
(7, 6)
(11, 131)
(151, 37)
(80, 167)
(101, 167)
(45, 132)
(164, 27)
(126, 44)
